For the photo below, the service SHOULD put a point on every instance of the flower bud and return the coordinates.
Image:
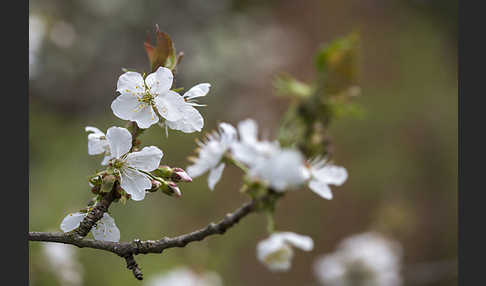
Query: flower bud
(155, 185)
(173, 186)
(179, 175)
(163, 171)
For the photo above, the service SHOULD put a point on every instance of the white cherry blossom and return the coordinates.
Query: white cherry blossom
(97, 144)
(276, 252)
(191, 120)
(105, 229)
(132, 167)
(211, 153)
(369, 258)
(140, 100)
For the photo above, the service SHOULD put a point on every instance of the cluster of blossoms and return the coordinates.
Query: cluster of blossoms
(277, 168)
(145, 101)
(132, 172)
(368, 258)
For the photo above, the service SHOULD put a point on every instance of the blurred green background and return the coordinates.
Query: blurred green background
(401, 155)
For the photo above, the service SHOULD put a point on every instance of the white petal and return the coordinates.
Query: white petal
(160, 81)
(283, 170)
(197, 169)
(94, 130)
(125, 106)
(147, 159)
(321, 188)
(145, 116)
(190, 122)
(130, 83)
(170, 105)
(228, 133)
(106, 229)
(215, 176)
(97, 144)
(330, 174)
(248, 130)
(134, 183)
(300, 241)
(72, 221)
(120, 141)
(197, 91)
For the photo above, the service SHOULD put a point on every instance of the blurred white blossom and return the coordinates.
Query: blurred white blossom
(183, 276)
(283, 168)
(105, 229)
(62, 260)
(276, 251)
(367, 259)
(211, 153)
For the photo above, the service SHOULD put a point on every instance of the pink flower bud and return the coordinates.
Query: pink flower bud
(181, 175)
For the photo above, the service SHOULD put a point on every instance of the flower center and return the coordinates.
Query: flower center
(146, 98)
(117, 163)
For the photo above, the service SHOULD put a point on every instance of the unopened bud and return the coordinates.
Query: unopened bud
(173, 186)
(180, 175)
(163, 171)
(155, 185)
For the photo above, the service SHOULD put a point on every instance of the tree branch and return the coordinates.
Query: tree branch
(128, 249)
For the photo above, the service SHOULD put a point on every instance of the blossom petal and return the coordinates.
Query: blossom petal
(72, 221)
(321, 188)
(144, 115)
(93, 130)
(130, 83)
(160, 81)
(197, 91)
(248, 130)
(190, 122)
(97, 144)
(197, 169)
(134, 183)
(147, 159)
(125, 106)
(300, 241)
(170, 105)
(106, 229)
(228, 133)
(120, 141)
(215, 175)
(330, 174)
